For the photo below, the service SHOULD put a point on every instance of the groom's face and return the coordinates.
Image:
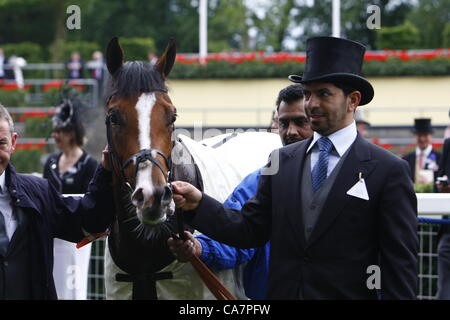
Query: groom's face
(327, 107)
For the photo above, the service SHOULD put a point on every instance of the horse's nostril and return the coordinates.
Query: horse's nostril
(138, 198)
(167, 196)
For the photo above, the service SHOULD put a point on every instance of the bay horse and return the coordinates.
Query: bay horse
(140, 123)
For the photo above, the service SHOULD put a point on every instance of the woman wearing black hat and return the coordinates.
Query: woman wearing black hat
(69, 170)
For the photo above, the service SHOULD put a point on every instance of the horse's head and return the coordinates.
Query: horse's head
(140, 121)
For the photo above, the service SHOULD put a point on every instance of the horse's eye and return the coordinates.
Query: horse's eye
(115, 120)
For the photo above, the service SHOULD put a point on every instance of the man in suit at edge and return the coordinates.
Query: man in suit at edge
(443, 248)
(338, 206)
(424, 159)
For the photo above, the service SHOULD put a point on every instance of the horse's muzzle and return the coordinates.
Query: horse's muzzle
(160, 207)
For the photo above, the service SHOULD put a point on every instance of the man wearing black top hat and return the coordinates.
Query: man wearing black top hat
(340, 212)
(424, 161)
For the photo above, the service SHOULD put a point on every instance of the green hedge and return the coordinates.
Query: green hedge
(396, 67)
(137, 48)
(27, 161)
(257, 69)
(446, 36)
(404, 36)
(31, 52)
(12, 98)
(38, 128)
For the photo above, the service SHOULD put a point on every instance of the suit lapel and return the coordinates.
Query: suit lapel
(358, 160)
(293, 167)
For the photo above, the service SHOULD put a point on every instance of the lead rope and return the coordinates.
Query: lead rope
(208, 277)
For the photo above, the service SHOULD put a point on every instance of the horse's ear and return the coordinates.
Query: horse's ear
(166, 61)
(114, 55)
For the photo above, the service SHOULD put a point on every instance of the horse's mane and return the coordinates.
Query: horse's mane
(133, 78)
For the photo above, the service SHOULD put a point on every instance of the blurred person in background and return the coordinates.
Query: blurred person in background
(75, 66)
(361, 124)
(5, 72)
(152, 58)
(96, 65)
(69, 171)
(274, 122)
(424, 160)
(293, 126)
(97, 68)
(447, 130)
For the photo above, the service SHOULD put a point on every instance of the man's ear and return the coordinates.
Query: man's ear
(14, 136)
(353, 100)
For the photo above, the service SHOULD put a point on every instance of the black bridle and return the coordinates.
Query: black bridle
(139, 159)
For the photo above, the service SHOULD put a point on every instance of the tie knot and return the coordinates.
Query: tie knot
(325, 144)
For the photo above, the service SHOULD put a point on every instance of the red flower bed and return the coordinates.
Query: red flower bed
(31, 146)
(36, 114)
(12, 86)
(279, 57)
(57, 84)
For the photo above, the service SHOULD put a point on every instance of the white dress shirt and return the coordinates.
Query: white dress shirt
(6, 208)
(426, 154)
(342, 140)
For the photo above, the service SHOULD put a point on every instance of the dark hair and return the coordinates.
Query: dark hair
(290, 94)
(135, 77)
(346, 88)
(68, 119)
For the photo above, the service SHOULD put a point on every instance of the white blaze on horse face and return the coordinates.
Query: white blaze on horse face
(144, 182)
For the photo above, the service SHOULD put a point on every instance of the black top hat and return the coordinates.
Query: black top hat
(422, 125)
(337, 60)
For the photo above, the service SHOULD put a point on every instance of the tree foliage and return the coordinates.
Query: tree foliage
(232, 24)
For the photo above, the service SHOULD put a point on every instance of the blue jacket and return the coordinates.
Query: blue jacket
(53, 216)
(221, 256)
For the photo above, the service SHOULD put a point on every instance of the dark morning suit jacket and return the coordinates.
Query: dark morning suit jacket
(411, 159)
(350, 235)
(444, 169)
(444, 164)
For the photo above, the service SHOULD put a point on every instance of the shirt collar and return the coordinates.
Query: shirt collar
(342, 139)
(2, 182)
(426, 152)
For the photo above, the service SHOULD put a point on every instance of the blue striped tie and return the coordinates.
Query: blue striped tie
(4, 240)
(319, 172)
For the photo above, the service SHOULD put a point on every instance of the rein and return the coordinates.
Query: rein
(208, 277)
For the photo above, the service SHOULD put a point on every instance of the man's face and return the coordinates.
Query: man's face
(423, 140)
(293, 123)
(75, 56)
(328, 109)
(7, 144)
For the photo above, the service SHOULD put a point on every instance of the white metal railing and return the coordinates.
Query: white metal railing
(433, 204)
